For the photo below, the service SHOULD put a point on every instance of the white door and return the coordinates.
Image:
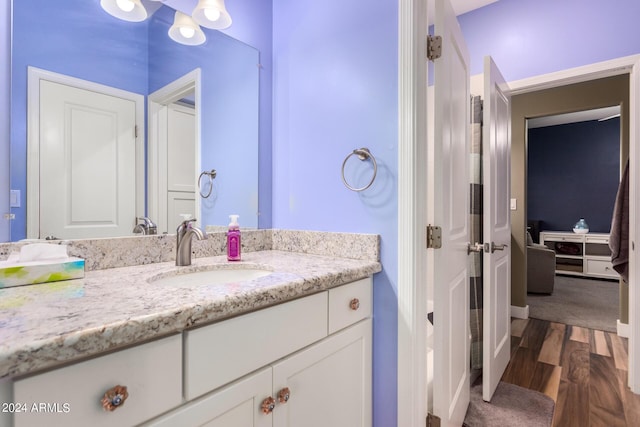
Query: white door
(181, 148)
(87, 144)
(450, 202)
(496, 152)
(634, 212)
(329, 383)
(181, 167)
(178, 204)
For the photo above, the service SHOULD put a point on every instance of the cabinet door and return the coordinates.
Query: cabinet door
(329, 383)
(237, 405)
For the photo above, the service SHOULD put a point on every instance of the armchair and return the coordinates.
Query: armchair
(541, 268)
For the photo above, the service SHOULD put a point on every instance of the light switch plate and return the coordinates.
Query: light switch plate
(14, 199)
(514, 204)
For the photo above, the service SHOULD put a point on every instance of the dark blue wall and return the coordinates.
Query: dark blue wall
(573, 173)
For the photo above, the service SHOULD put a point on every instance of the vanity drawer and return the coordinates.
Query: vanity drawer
(220, 353)
(597, 267)
(71, 396)
(349, 304)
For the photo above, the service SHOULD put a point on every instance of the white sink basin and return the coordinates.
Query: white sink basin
(211, 277)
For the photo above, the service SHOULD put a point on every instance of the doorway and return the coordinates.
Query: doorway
(172, 170)
(568, 98)
(573, 171)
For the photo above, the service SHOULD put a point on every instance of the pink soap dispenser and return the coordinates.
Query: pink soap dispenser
(233, 239)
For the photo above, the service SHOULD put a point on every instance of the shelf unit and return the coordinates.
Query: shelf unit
(580, 254)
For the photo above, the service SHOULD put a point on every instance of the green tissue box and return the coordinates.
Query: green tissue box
(32, 272)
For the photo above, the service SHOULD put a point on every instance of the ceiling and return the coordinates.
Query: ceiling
(580, 116)
(464, 6)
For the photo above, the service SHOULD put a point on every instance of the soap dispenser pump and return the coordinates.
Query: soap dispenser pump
(233, 239)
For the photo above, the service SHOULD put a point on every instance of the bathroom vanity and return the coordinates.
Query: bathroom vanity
(289, 348)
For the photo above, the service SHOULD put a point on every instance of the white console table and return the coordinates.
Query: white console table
(580, 254)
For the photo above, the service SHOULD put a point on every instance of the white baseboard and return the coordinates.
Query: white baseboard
(623, 329)
(520, 312)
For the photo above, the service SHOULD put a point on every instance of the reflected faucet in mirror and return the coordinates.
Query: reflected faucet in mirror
(145, 226)
(186, 230)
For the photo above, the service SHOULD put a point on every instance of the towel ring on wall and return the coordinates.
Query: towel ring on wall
(363, 154)
(212, 175)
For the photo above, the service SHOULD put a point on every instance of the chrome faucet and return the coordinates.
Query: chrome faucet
(145, 226)
(186, 230)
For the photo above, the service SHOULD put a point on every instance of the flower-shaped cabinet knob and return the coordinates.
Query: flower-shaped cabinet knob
(114, 398)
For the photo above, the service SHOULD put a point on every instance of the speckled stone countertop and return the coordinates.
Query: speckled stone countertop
(42, 326)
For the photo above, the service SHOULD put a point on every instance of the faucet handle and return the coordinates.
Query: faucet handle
(186, 223)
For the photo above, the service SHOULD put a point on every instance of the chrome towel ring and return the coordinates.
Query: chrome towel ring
(362, 154)
(212, 175)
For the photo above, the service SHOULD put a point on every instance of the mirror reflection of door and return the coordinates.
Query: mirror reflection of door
(181, 150)
(84, 163)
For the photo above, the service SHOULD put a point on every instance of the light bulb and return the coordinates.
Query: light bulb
(212, 14)
(125, 5)
(187, 32)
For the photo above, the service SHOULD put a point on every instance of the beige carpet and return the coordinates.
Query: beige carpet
(511, 406)
(580, 302)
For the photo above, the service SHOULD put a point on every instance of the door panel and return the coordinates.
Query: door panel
(181, 149)
(236, 405)
(496, 228)
(449, 196)
(178, 204)
(88, 168)
(329, 382)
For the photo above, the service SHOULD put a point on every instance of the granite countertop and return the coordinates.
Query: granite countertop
(45, 325)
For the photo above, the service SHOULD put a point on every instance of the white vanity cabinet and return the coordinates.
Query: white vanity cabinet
(327, 378)
(326, 384)
(302, 363)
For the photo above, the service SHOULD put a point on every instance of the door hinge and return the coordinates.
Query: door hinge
(433, 420)
(135, 131)
(434, 237)
(434, 47)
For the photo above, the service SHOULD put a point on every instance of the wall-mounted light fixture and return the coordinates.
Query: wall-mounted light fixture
(185, 29)
(212, 14)
(128, 10)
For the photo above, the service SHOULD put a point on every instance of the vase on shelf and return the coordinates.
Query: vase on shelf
(581, 227)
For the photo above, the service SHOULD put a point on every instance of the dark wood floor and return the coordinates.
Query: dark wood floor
(583, 370)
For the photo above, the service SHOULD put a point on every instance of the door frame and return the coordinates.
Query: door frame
(157, 146)
(34, 76)
(412, 135)
(412, 395)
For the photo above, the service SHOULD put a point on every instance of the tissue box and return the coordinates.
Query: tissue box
(31, 272)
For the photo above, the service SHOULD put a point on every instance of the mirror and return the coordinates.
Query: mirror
(84, 42)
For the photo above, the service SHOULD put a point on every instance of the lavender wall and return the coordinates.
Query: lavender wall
(335, 87)
(252, 24)
(573, 172)
(532, 37)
